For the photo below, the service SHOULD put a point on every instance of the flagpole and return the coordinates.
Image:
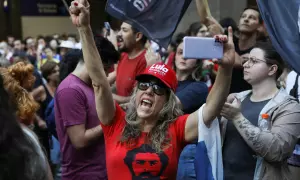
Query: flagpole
(66, 5)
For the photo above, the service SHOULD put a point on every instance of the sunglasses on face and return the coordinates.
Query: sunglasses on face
(157, 88)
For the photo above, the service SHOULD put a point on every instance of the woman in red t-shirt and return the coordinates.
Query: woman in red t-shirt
(146, 141)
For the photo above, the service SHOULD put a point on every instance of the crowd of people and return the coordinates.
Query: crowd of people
(117, 106)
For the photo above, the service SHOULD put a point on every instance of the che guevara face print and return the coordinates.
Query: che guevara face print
(144, 163)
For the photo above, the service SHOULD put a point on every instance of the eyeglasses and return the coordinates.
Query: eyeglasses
(252, 60)
(157, 88)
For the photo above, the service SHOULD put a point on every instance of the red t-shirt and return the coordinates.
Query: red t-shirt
(127, 163)
(127, 70)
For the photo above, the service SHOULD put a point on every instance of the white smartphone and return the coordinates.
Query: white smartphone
(202, 48)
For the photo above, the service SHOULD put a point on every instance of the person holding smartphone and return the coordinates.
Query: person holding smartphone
(146, 141)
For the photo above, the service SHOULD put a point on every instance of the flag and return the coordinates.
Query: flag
(156, 19)
(282, 20)
(208, 159)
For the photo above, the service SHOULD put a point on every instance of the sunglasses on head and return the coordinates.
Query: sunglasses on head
(158, 89)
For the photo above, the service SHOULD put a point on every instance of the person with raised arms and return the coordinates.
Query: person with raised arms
(146, 140)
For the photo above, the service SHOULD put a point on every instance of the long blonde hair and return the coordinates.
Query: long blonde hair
(158, 137)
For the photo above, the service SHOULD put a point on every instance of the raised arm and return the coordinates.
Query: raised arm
(218, 93)
(203, 11)
(212, 24)
(80, 15)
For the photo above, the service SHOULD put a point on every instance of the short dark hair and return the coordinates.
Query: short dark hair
(255, 8)
(40, 37)
(228, 21)
(272, 56)
(193, 28)
(47, 69)
(178, 39)
(144, 38)
(69, 62)
(108, 53)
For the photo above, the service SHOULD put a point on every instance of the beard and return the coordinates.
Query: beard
(123, 49)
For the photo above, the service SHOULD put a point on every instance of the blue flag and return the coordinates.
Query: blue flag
(156, 19)
(208, 159)
(282, 20)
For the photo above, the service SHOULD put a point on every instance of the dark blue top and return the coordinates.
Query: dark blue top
(192, 95)
(50, 118)
(239, 160)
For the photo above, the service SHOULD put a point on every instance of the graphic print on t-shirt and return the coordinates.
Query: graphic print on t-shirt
(144, 163)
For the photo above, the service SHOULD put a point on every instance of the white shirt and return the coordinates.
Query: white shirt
(290, 81)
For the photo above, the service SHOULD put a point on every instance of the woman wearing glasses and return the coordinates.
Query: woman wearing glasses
(263, 123)
(146, 141)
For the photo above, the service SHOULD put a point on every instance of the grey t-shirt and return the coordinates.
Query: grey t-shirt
(238, 158)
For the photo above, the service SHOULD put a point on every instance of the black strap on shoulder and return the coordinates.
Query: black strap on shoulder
(294, 91)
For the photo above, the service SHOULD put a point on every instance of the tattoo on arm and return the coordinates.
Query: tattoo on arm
(248, 131)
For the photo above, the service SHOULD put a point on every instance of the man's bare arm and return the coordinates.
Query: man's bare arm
(202, 11)
(81, 137)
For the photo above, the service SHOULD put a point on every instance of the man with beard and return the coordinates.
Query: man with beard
(144, 169)
(131, 43)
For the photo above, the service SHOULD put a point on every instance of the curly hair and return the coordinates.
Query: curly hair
(19, 156)
(159, 138)
(22, 72)
(25, 105)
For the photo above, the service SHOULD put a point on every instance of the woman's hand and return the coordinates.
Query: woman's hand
(80, 13)
(231, 97)
(229, 51)
(232, 110)
(214, 28)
